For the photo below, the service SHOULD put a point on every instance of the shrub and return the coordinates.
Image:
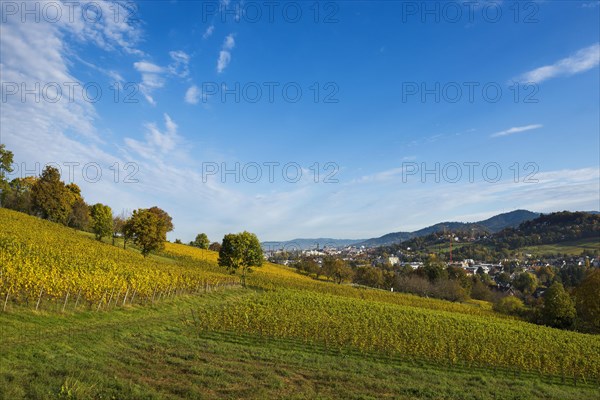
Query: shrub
(510, 305)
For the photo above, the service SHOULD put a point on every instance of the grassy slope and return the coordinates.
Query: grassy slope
(572, 248)
(158, 352)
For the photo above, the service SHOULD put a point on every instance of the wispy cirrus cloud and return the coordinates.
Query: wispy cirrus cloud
(151, 78)
(516, 129)
(417, 203)
(208, 32)
(114, 30)
(180, 64)
(192, 95)
(40, 131)
(41, 52)
(157, 142)
(583, 60)
(153, 75)
(225, 53)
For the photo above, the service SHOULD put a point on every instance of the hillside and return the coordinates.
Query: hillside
(493, 224)
(549, 229)
(569, 247)
(549, 234)
(508, 220)
(190, 331)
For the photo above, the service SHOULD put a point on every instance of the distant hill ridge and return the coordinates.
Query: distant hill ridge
(548, 229)
(494, 224)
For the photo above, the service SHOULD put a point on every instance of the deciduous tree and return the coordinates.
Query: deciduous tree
(117, 227)
(18, 196)
(201, 241)
(559, 309)
(6, 160)
(164, 218)
(587, 301)
(240, 251)
(337, 270)
(52, 200)
(526, 283)
(510, 305)
(102, 220)
(369, 276)
(79, 217)
(148, 230)
(215, 246)
(434, 269)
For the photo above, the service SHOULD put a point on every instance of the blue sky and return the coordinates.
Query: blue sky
(388, 89)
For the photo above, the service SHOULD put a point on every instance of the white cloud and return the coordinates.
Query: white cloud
(223, 61)
(180, 64)
(229, 42)
(415, 204)
(209, 31)
(157, 143)
(153, 76)
(24, 45)
(382, 176)
(40, 131)
(225, 53)
(64, 131)
(517, 129)
(192, 95)
(145, 66)
(113, 31)
(584, 60)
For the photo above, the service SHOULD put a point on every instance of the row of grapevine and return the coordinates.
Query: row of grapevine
(435, 336)
(273, 277)
(40, 260)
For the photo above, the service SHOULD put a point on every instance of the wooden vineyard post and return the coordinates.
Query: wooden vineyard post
(77, 301)
(125, 298)
(100, 302)
(110, 298)
(39, 299)
(65, 303)
(117, 299)
(6, 300)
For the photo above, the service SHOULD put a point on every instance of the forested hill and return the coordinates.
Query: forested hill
(490, 225)
(547, 229)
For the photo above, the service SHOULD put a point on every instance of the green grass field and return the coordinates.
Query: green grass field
(285, 336)
(572, 248)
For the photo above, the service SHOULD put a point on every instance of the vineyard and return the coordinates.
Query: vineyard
(440, 337)
(273, 277)
(44, 266)
(290, 305)
(43, 263)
